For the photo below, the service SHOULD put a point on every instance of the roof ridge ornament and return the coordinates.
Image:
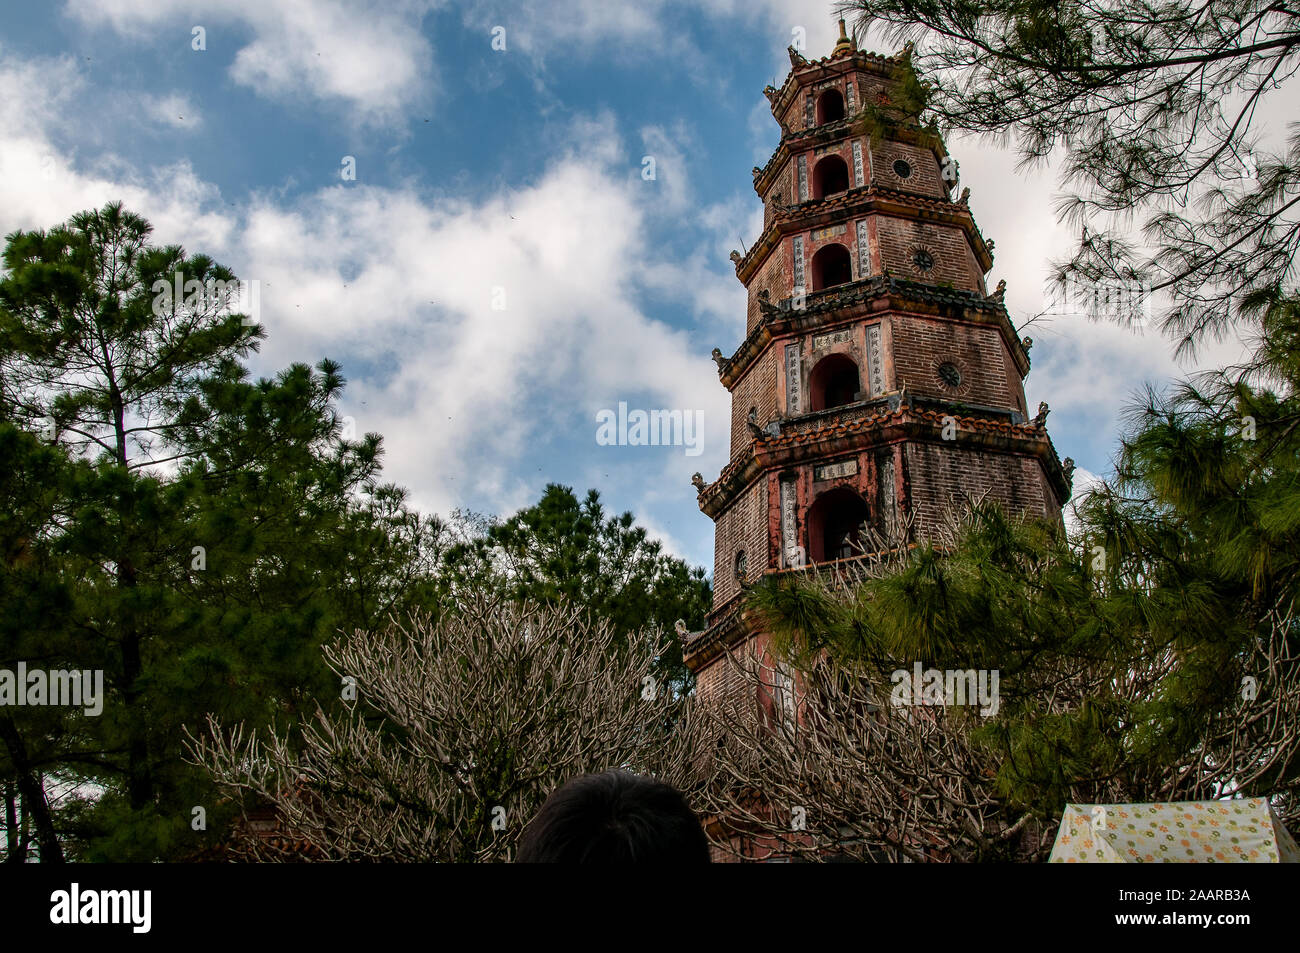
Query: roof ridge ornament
(845, 43)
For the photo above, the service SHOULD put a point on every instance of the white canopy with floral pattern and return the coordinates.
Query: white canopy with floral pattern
(1243, 830)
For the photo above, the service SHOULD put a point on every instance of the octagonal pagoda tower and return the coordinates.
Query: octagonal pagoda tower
(878, 378)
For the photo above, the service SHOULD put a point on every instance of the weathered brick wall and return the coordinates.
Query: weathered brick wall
(925, 178)
(1015, 384)
(756, 389)
(921, 344)
(954, 260)
(731, 854)
(743, 526)
(720, 680)
(734, 689)
(938, 473)
(783, 188)
(774, 276)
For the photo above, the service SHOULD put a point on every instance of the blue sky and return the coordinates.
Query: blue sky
(490, 176)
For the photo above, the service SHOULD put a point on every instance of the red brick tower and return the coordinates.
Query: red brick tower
(878, 376)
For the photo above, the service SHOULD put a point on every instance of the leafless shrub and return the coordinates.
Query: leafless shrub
(461, 727)
(851, 777)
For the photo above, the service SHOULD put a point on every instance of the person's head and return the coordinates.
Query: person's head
(614, 817)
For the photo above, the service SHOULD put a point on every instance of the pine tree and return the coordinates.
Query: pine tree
(214, 532)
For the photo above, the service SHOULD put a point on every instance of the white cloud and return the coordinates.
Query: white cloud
(380, 276)
(43, 182)
(666, 152)
(174, 110)
(373, 59)
(36, 90)
(1084, 482)
(400, 290)
(658, 29)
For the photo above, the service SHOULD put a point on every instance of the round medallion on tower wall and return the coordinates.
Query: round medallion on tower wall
(951, 377)
(902, 169)
(922, 260)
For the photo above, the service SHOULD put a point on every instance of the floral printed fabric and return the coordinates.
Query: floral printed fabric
(1197, 832)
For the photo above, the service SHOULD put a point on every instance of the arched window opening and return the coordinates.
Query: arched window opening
(836, 524)
(831, 266)
(830, 176)
(834, 383)
(830, 106)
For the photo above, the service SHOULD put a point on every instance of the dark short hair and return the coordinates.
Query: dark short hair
(614, 817)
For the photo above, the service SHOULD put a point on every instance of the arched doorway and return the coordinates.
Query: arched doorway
(830, 106)
(835, 525)
(833, 382)
(831, 266)
(830, 176)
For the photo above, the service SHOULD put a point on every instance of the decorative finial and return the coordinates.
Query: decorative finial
(1041, 417)
(843, 44)
(680, 627)
(1067, 467)
(1001, 290)
(1027, 343)
(697, 481)
(796, 58)
(770, 92)
(718, 358)
(735, 257)
(965, 197)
